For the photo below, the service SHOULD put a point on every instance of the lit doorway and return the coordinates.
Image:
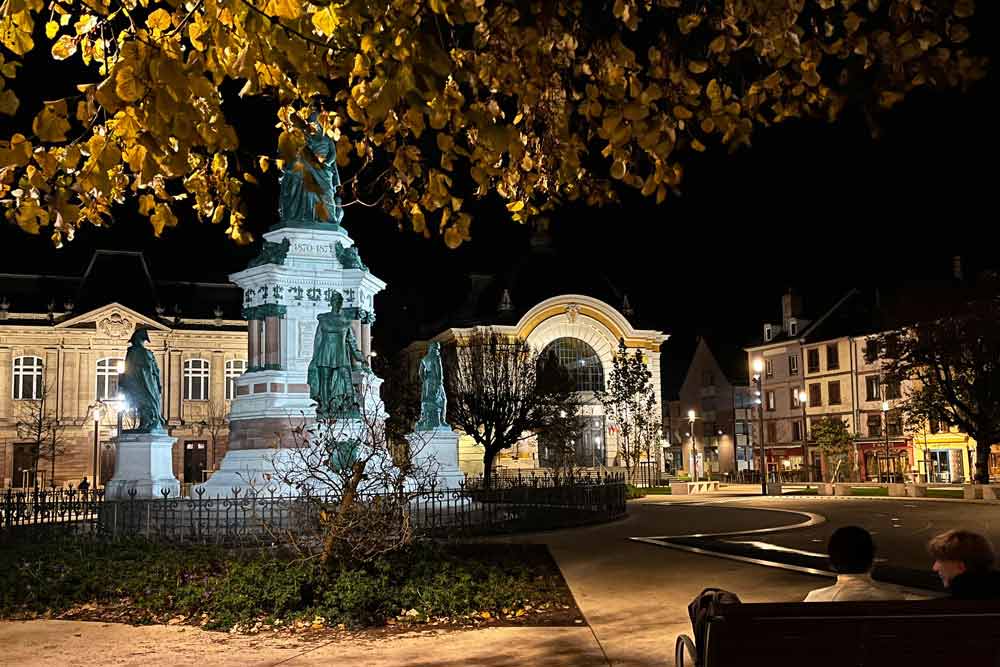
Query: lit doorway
(195, 461)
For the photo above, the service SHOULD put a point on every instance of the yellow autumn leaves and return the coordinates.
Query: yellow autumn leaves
(439, 103)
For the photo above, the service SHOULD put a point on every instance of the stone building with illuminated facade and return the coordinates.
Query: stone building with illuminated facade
(547, 300)
(63, 339)
(834, 360)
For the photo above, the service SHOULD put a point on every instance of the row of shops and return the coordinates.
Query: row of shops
(938, 458)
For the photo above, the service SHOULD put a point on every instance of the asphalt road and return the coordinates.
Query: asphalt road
(900, 528)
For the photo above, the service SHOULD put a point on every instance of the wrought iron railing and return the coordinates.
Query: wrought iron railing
(267, 517)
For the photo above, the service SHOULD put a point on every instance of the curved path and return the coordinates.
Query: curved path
(635, 595)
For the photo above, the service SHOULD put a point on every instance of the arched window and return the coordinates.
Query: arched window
(196, 380)
(234, 369)
(107, 378)
(27, 378)
(580, 360)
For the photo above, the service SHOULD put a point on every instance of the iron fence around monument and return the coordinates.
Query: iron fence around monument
(266, 517)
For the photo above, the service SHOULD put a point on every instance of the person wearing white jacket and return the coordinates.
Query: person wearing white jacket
(852, 554)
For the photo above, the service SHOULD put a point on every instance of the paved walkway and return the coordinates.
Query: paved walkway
(633, 595)
(71, 643)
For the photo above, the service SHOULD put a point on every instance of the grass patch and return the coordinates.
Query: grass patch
(945, 493)
(142, 583)
(633, 492)
(869, 491)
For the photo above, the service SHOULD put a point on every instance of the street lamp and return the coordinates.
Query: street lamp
(663, 454)
(885, 429)
(758, 383)
(694, 460)
(97, 412)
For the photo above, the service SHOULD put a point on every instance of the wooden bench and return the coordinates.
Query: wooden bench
(856, 634)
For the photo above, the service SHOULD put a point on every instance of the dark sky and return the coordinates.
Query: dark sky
(817, 207)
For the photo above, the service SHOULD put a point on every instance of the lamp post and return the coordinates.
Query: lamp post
(694, 459)
(885, 428)
(758, 383)
(97, 412)
(663, 454)
(805, 434)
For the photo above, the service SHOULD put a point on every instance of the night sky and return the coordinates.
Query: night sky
(811, 206)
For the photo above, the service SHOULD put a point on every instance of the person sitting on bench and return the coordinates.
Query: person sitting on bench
(852, 553)
(964, 561)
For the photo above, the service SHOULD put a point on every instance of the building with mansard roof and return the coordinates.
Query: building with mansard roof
(62, 344)
(549, 300)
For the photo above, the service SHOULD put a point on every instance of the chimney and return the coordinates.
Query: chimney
(505, 305)
(791, 308)
(541, 238)
(956, 267)
(627, 309)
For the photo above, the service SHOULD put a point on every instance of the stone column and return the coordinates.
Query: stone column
(5, 382)
(253, 343)
(51, 376)
(366, 340)
(356, 328)
(173, 387)
(70, 385)
(217, 377)
(272, 342)
(86, 384)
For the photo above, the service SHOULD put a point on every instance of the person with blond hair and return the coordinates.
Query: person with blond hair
(964, 561)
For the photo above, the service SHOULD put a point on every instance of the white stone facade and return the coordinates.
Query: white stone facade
(573, 316)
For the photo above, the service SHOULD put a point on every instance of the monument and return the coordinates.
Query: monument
(307, 289)
(433, 440)
(144, 460)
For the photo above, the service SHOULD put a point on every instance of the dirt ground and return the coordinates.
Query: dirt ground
(68, 643)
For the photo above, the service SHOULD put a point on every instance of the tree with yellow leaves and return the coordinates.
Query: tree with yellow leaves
(436, 102)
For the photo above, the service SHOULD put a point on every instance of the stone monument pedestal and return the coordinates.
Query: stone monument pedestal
(144, 462)
(246, 471)
(438, 453)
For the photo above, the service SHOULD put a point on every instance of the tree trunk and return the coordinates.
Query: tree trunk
(488, 467)
(333, 534)
(983, 460)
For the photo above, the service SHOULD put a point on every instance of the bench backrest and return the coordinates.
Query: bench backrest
(856, 634)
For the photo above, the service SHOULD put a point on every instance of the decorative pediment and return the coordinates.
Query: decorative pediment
(113, 321)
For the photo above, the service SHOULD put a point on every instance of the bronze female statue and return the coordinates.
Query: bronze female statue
(335, 356)
(433, 402)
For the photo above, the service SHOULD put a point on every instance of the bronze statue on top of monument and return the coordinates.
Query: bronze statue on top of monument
(310, 184)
